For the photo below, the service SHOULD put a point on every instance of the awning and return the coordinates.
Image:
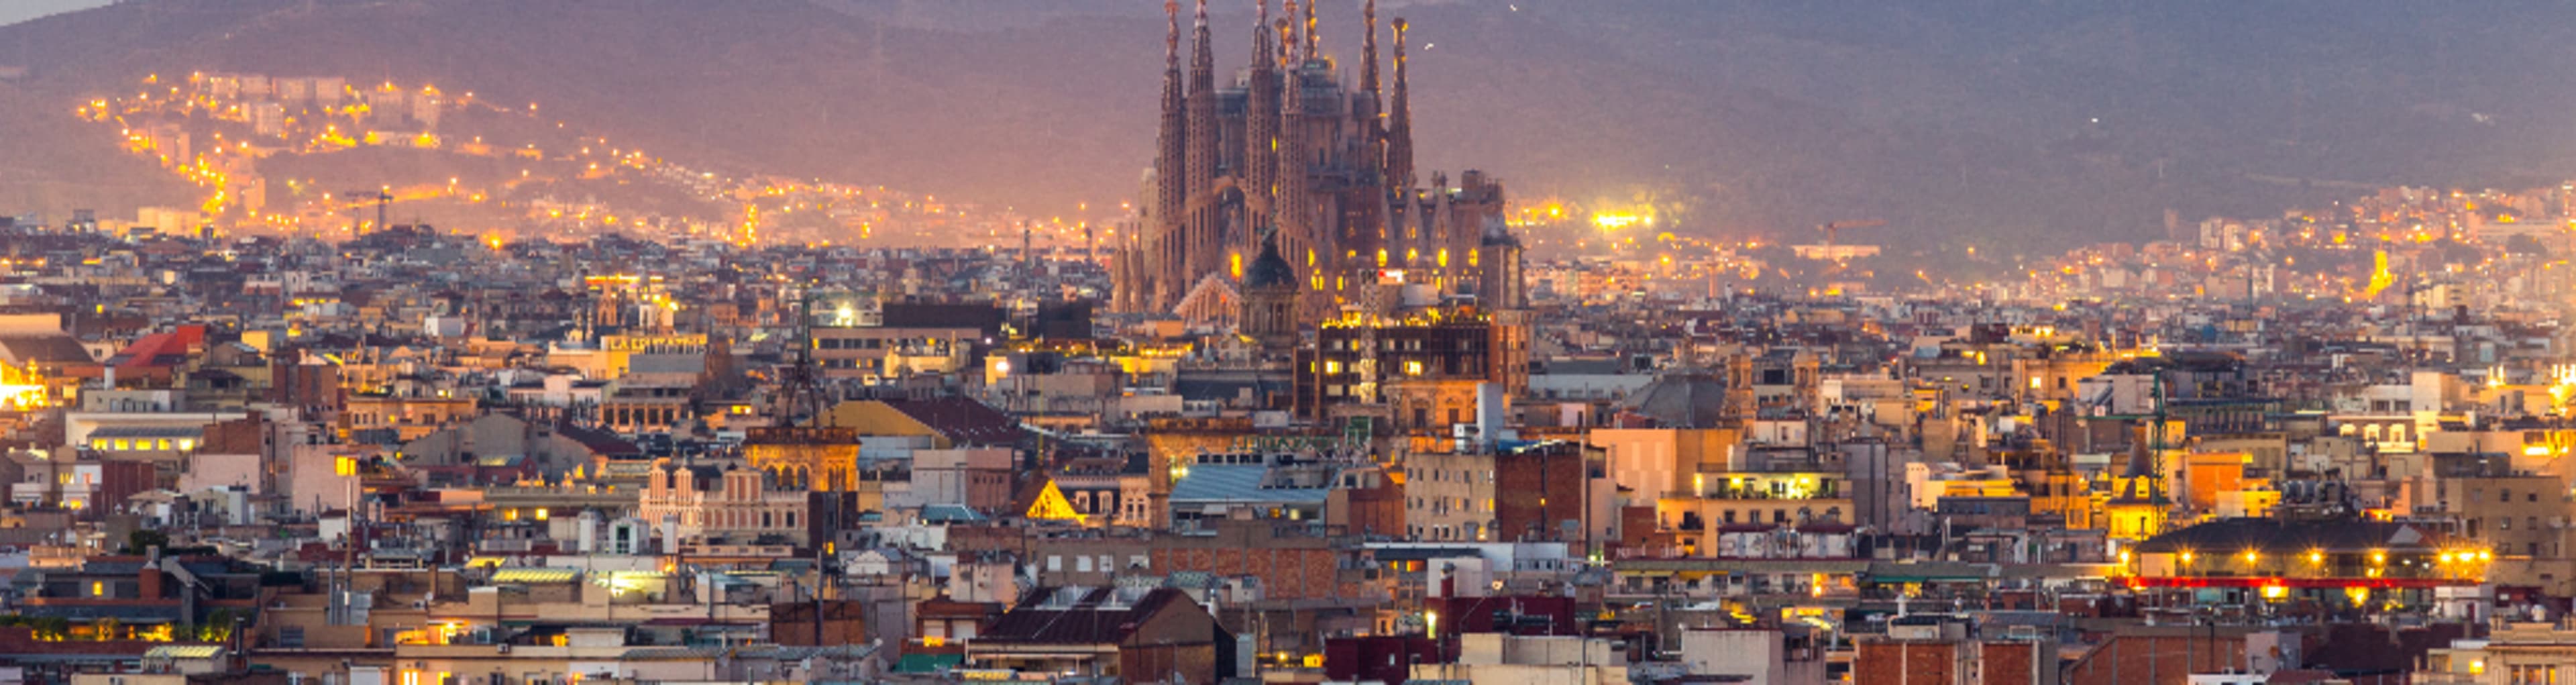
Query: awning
(534, 575)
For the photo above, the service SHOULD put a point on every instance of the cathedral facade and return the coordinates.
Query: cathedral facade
(1288, 152)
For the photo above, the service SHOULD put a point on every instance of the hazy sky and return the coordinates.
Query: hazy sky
(14, 11)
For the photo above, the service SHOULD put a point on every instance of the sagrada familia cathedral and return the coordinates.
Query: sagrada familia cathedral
(1288, 164)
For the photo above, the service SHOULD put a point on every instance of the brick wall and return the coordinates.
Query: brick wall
(1538, 490)
(1909, 663)
(1285, 573)
(2156, 659)
(2012, 663)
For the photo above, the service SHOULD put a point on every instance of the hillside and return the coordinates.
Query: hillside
(2000, 123)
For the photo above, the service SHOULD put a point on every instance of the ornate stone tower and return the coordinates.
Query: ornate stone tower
(1261, 133)
(1205, 222)
(1399, 124)
(1165, 240)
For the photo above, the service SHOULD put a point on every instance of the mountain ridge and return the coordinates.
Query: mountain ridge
(2002, 124)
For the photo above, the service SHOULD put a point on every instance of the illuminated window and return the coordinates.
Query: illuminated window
(187, 444)
(97, 589)
(1413, 368)
(123, 445)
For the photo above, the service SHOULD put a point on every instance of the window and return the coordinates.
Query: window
(1055, 563)
(290, 637)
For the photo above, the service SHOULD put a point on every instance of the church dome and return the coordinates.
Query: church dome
(1269, 270)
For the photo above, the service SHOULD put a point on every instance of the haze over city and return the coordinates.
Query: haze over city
(488, 342)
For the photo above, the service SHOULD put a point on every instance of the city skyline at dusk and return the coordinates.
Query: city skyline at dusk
(1618, 342)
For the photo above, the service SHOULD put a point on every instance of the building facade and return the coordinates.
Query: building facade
(1291, 146)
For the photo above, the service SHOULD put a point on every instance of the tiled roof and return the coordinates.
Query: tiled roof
(41, 347)
(1690, 399)
(598, 441)
(963, 420)
(1078, 615)
(157, 349)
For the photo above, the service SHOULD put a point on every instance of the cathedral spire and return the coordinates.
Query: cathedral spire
(1202, 52)
(1164, 233)
(1261, 128)
(1292, 36)
(1261, 35)
(1172, 37)
(1288, 42)
(1368, 54)
(1399, 135)
(1205, 232)
(1314, 31)
(1292, 203)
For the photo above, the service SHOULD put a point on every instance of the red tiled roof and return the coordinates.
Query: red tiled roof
(145, 352)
